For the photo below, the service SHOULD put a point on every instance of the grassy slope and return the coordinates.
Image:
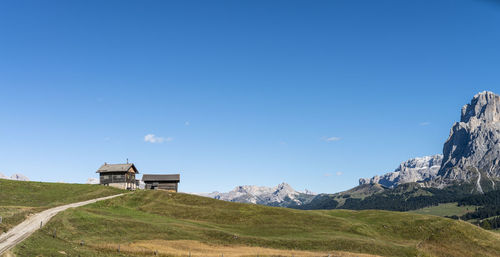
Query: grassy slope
(18, 199)
(157, 215)
(445, 209)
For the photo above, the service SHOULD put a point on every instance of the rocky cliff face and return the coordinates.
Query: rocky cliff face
(472, 151)
(471, 154)
(280, 195)
(413, 170)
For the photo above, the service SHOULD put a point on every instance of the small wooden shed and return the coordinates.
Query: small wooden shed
(162, 181)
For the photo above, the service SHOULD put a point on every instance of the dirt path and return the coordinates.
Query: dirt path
(33, 223)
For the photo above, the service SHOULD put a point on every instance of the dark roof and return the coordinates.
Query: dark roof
(116, 168)
(158, 177)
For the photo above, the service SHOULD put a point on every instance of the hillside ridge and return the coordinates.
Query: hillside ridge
(134, 218)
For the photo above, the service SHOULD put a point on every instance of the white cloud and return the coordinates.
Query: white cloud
(152, 138)
(187, 123)
(338, 173)
(331, 139)
(425, 123)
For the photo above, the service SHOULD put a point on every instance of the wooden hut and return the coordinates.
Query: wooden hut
(118, 175)
(166, 181)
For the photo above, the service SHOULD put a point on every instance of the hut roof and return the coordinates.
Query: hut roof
(116, 168)
(163, 177)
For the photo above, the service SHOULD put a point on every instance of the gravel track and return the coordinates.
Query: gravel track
(20, 232)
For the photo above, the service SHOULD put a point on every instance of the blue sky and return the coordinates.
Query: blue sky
(313, 93)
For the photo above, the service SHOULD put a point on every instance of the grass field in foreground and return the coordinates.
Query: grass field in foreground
(146, 221)
(445, 209)
(19, 199)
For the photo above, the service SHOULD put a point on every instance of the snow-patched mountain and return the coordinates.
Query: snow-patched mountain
(16, 176)
(19, 177)
(280, 195)
(413, 170)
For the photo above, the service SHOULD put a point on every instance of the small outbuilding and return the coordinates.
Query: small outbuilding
(118, 175)
(162, 181)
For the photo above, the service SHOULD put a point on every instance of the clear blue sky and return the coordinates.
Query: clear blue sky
(240, 92)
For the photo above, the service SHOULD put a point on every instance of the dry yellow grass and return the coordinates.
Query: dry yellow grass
(182, 248)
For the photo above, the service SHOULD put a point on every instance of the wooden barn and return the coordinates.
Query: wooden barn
(118, 175)
(166, 182)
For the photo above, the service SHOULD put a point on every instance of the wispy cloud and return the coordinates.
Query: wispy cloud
(152, 138)
(425, 123)
(331, 139)
(338, 173)
(187, 123)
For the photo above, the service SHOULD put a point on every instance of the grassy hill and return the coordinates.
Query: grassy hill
(173, 224)
(18, 199)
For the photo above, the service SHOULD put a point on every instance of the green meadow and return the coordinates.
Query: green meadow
(445, 209)
(147, 223)
(19, 199)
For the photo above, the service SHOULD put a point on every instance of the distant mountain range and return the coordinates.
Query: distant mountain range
(470, 164)
(16, 176)
(281, 195)
(93, 181)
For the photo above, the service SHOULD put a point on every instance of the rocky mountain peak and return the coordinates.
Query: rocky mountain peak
(484, 107)
(308, 192)
(472, 151)
(282, 192)
(285, 187)
(420, 163)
